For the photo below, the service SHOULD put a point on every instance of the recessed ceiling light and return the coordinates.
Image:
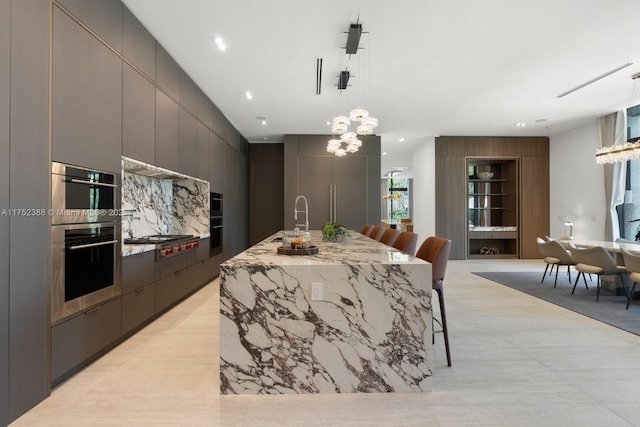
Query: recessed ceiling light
(328, 123)
(221, 44)
(248, 95)
(521, 124)
(541, 120)
(401, 140)
(384, 154)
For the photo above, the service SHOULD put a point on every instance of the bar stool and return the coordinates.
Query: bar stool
(366, 229)
(406, 242)
(435, 250)
(389, 236)
(376, 232)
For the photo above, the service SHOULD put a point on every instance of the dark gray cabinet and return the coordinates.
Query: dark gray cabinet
(202, 152)
(138, 116)
(167, 132)
(187, 143)
(80, 339)
(137, 271)
(138, 45)
(344, 189)
(216, 163)
(5, 90)
(87, 98)
(104, 17)
(25, 164)
(167, 72)
(137, 307)
(173, 287)
(188, 92)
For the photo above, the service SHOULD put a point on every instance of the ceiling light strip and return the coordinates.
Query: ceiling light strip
(602, 76)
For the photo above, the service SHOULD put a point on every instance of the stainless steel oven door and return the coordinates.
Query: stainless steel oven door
(83, 195)
(85, 267)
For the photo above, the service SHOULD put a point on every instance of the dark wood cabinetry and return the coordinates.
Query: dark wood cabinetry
(512, 206)
(167, 132)
(493, 185)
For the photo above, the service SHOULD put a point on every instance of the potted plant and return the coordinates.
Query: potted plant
(334, 232)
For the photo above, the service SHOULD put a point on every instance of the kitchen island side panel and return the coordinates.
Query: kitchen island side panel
(371, 332)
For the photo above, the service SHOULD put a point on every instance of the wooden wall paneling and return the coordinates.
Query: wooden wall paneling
(202, 152)
(266, 191)
(455, 205)
(188, 92)
(535, 204)
(167, 132)
(188, 143)
(440, 176)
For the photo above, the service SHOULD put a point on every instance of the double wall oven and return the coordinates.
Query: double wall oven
(86, 250)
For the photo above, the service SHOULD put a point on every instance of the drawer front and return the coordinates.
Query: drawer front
(137, 271)
(78, 339)
(137, 306)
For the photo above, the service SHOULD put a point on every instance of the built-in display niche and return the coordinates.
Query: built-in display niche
(160, 201)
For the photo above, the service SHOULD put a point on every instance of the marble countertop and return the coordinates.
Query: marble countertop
(358, 249)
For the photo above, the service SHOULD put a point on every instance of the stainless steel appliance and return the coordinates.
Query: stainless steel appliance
(215, 223)
(83, 195)
(86, 267)
(167, 245)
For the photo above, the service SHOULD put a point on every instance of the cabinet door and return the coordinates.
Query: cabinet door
(87, 98)
(187, 150)
(202, 152)
(138, 116)
(77, 340)
(350, 179)
(315, 177)
(167, 132)
(216, 164)
(137, 306)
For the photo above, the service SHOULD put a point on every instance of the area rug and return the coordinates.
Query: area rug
(610, 309)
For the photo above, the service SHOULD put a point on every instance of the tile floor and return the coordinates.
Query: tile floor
(517, 361)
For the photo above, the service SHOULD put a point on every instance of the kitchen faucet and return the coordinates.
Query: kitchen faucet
(306, 213)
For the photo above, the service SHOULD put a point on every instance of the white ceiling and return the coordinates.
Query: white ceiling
(428, 67)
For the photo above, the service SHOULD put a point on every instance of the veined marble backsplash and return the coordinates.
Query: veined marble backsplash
(164, 206)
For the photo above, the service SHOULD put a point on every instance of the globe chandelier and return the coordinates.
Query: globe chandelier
(345, 140)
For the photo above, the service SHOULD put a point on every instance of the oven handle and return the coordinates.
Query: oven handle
(91, 245)
(101, 184)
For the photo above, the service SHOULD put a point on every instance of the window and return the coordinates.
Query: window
(397, 198)
(629, 211)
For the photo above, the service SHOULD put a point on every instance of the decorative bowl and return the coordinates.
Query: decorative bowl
(485, 175)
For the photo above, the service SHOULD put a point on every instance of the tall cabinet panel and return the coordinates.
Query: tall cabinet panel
(5, 84)
(216, 163)
(104, 17)
(167, 132)
(29, 174)
(187, 148)
(202, 152)
(138, 45)
(138, 116)
(344, 189)
(87, 98)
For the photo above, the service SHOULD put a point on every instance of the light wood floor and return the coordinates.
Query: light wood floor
(517, 361)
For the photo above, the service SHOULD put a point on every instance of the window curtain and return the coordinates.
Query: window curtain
(613, 129)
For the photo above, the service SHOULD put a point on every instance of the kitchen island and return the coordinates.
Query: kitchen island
(366, 329)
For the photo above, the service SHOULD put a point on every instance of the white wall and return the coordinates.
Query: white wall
(424, 189)
(577, 182)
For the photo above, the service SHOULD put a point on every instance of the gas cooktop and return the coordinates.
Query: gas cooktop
(156, 238)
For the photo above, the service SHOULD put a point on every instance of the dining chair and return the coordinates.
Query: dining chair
(406, 242)
(555, 255)
(632, 264)
(366, 229)
(376, 232)
(435, 250)
(388, 236)
(594, 260)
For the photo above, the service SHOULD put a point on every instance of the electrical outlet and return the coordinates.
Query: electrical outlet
(316, 291)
